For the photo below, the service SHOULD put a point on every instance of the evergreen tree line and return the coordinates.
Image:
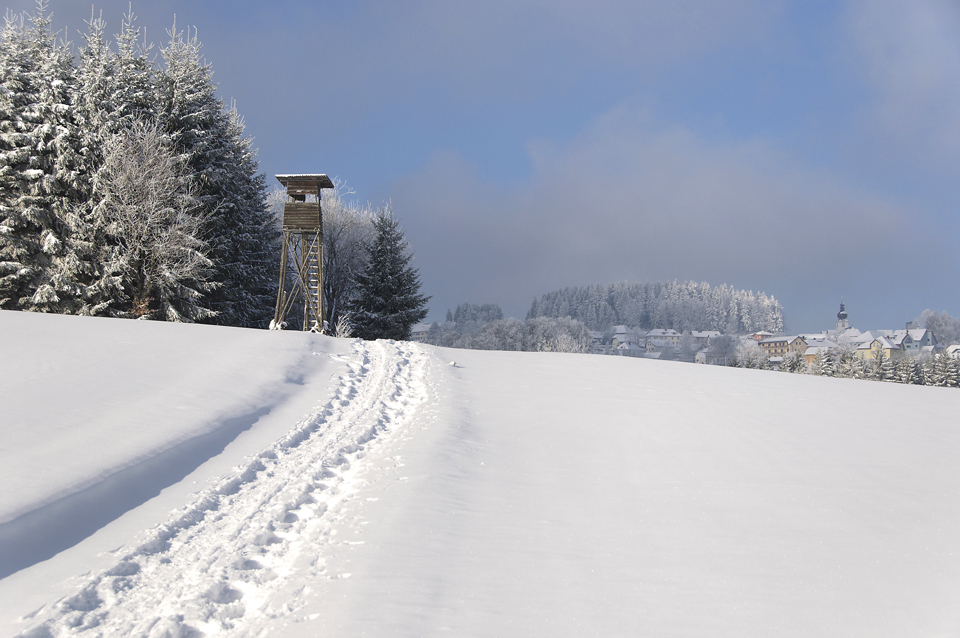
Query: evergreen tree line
(127, 188)
(940, 370)
(540, 334)
(680, 306)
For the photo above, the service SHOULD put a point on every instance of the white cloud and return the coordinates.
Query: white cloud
(910, 56)
(633, 198)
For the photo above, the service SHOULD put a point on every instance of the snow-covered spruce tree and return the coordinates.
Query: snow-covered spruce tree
(388, 301)
(39, 176)
(943, 371)
(153, 228)
(241, 234)
(793, 363)
(885, 367)
(821, 364)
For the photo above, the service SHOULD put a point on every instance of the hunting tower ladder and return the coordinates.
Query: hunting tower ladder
(302, 251)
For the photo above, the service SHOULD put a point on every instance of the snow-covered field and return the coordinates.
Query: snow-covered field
(182, 480)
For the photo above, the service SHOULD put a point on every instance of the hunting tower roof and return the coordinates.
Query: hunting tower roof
(305, 184)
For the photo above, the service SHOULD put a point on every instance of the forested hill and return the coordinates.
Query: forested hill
(679, 305)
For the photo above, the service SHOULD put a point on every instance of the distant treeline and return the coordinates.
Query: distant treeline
(483, 328)
(939, 370)
(678, 305)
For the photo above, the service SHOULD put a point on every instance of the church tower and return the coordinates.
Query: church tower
(842, 323)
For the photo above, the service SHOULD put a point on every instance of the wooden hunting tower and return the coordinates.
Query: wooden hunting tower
(302, 251)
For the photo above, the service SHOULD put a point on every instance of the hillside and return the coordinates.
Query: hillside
(391, 489)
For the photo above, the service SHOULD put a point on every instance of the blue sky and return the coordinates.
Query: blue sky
(808, 149)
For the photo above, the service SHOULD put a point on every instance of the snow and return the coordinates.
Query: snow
(379, 488)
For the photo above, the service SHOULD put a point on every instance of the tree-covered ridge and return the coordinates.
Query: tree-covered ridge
(673, 305)
(80, 143)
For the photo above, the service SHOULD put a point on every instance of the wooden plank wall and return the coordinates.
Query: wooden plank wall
(301, 215)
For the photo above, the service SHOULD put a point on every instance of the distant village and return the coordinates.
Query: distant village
(812, 352)
(714, 348)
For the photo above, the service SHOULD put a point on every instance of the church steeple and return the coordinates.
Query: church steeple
(842, 323)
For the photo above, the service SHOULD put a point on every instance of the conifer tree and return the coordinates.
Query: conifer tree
(388, 301)
(885, 367)
(39, 176)
(243, 241)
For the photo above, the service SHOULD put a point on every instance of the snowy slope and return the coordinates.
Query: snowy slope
(511, 494)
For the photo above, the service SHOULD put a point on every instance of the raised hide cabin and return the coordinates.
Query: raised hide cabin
(298, 213)
(303, 250)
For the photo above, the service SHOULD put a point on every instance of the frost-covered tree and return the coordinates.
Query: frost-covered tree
(884, 367)
(39, 167)
(724, 348)
(388, 302)
(822, 364)
(238, 228)
(945, 327)
(677, 305)
(688, 347)
(540, 334)
(156, 254)
(57, 120)
(348, 230)
(793, 362)
(116, 90)
(943, 371)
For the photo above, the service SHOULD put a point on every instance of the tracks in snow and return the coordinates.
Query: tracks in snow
(211, 569)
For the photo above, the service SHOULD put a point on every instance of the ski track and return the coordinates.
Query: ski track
(211, 568)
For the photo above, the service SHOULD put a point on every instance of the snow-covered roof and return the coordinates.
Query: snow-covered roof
(885, 343)
(660, 343)
(295, 182)
(660, 332)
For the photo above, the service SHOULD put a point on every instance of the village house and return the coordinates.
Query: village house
(669, 335)
(816, 347)
(419, 332)
(703, 337)
(912, 340)
(782, 346)
(660, 345)
(872, 349)
(629, 349)
(622, 335)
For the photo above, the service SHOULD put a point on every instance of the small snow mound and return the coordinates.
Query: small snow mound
(124, 568)
(86, 600)
(173, 628)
